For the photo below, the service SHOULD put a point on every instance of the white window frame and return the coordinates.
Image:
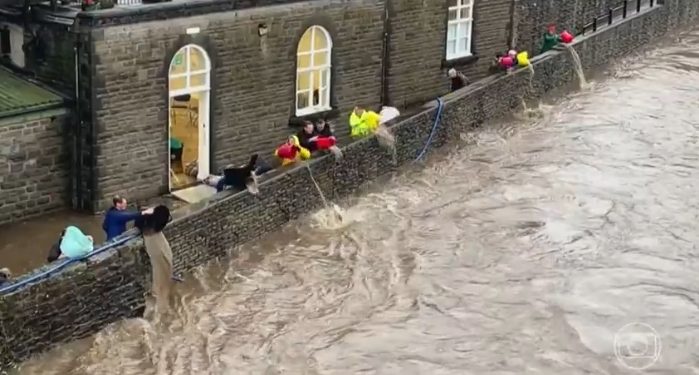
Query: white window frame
(188, 72)
(323, 92)
(460, 24)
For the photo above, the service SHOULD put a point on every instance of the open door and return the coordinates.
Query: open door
(204, 138)
(189, 111)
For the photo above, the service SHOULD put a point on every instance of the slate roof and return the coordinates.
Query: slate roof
(19, 96)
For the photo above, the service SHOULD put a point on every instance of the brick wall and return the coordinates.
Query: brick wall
(33, 165)
(111, 287)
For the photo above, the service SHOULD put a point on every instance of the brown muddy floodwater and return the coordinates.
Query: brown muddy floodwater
(524, 252)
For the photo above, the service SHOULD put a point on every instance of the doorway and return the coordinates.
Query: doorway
(189, 117)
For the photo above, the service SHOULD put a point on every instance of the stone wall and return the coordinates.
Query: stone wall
(50, 55)
(254, 79)
(84, 298)
(34, 165)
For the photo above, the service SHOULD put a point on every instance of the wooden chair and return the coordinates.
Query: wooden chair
(185, 102)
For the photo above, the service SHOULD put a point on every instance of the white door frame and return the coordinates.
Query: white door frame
(204, 92)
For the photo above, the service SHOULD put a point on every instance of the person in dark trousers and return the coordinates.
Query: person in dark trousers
(239, 178)
(458, 80)
(117, 217)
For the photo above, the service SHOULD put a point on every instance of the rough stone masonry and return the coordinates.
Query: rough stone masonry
(34, 168)
(83, 298)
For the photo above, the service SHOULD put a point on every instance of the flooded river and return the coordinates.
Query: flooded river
(526, 251)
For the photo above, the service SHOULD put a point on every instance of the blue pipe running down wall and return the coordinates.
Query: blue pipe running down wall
(437, 120)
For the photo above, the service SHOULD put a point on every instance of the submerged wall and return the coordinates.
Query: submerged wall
(82, 299)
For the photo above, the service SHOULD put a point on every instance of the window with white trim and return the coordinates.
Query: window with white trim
(459, 29)
(313, 71)
(189, 71)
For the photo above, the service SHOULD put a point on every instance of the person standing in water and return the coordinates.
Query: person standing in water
(551, 39)
(117, 217)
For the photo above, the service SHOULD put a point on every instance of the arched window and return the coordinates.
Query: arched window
(189, 71)
(313, 71)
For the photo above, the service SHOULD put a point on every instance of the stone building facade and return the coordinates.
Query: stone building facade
(34, 149)
(116, 65)
(112, 284)
(383, 52)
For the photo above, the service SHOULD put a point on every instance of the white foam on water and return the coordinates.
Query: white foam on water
(332, 214)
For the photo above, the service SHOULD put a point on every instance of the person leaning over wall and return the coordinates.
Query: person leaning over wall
(117, 217)
(363, 122)
(326, 138)
(291, 151)
(457, 79)
(551, 39)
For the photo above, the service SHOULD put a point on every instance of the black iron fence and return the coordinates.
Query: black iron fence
(627, 7)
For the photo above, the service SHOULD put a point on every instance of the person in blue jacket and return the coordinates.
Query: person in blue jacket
(117, 217)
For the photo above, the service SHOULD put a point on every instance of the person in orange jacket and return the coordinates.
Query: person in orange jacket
(292, 151)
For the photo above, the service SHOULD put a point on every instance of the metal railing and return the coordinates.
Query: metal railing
(129, 2)
(61, 265)
(626, 8)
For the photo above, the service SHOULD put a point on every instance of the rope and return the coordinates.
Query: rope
(437, 119)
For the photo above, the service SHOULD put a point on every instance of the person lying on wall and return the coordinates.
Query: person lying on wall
(457, 79)
(239, 178)
(72, 244)
(291, 151)
(118, 216)
(5, 275)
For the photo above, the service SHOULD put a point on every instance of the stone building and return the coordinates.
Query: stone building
(154, 86)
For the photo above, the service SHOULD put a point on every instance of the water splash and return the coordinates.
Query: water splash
(530, 67)
(577, 65)
(387, 140)
(333, 213)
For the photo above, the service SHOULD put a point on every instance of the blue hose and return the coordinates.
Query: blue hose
(437, 119)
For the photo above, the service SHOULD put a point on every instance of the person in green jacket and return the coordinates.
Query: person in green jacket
(551, 39)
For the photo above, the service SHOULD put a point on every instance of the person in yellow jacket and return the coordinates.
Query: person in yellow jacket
(292, 151)
(363, 122)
